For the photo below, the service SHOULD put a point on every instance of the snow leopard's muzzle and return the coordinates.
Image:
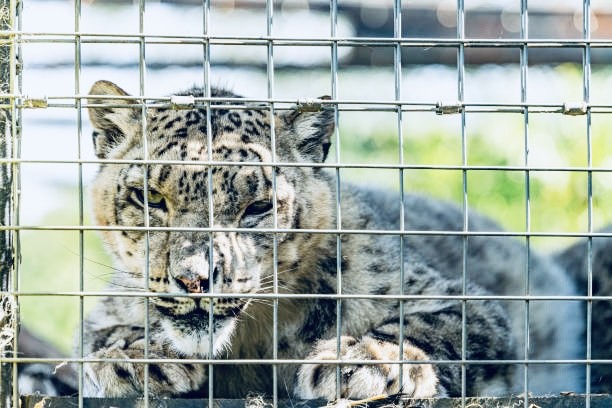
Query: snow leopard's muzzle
(186, 325)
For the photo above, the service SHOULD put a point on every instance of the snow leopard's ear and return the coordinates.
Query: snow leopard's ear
(114, 123)
(308, 130)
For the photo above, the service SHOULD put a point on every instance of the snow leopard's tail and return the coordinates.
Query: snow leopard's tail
(575, 260)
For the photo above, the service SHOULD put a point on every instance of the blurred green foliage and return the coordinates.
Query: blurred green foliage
(552, 201)
(51, 263)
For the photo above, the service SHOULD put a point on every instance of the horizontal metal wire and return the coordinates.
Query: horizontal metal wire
(580, 169)
(523, 234)
(265, 40)
(266, 361)
(386, 107)
(404, 107)
(306, 296)
(27, 102)
(241, 102)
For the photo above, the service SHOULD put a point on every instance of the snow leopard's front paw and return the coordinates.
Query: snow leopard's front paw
(318, 380)
(109, 379)
(126, 378)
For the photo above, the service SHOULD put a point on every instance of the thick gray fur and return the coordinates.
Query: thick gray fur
(576, 259)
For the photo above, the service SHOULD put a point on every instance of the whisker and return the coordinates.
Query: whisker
(267, 302)
(105, 265)
(107, 278)
(93, 260)
(244, 313)
(118, 285)
(279, 272)
(263, 289)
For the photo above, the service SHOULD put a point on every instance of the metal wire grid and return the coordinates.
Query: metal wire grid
(397, 105)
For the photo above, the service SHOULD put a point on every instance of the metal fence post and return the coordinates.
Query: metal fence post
(7, 310)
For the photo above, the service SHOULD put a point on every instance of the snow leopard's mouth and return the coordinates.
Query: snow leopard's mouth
(195, 312)
(191, 333)
(196, 319)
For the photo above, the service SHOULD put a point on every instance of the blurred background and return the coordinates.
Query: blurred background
(50, 194)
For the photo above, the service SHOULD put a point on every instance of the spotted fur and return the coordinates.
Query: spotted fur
(179, 268)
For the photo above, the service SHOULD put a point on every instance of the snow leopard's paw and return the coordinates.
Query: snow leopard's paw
(357, 381)
(120, 376)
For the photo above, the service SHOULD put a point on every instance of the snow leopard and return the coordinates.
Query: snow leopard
(234, 244)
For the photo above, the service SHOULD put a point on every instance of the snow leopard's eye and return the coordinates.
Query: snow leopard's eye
(258, 208)
(255, 212)
(154, 198)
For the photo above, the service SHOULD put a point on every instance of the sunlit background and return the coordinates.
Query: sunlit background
(558, 199)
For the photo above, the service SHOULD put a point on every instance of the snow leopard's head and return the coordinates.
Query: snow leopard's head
(203, 235)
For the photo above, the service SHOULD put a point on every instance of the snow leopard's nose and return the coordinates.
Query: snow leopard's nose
(191, 270)
(192, 284)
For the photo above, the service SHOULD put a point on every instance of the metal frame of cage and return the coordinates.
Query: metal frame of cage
(13, 102)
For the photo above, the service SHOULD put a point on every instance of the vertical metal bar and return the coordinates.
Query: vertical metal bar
(16, 132)
(211, 254)
(586, 71)
(145, 148)
(397, 70)
(7, 197)
(206, 46)
(211, 218)
(78, 105)
(524, 32)
(333, 12)
(207, 93)
(270, 80)
(460, 97)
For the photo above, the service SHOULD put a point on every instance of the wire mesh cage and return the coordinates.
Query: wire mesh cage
(239, 253)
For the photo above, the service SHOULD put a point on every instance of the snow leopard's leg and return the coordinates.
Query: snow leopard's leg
(318, 380)
(432, 331)
(126, 378)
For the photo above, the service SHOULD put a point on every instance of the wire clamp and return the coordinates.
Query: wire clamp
(182, 101)
(448, 108)
(311, 104)
(35, 103)
(575, 109)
